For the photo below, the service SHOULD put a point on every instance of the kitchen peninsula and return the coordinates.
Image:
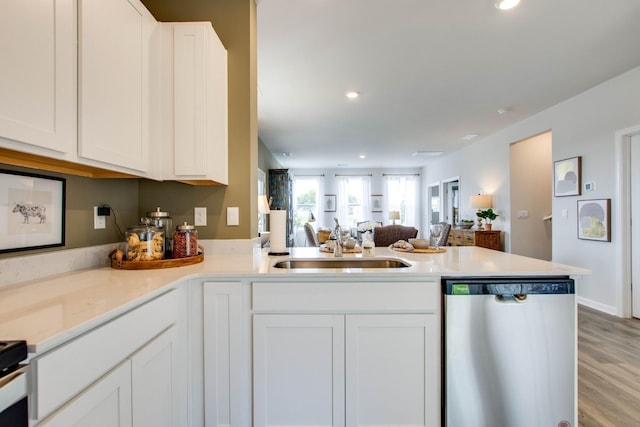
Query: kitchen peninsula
(158, 336)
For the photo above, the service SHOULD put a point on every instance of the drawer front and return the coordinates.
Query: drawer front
(346, 297)
(65, 371)
(462, 237)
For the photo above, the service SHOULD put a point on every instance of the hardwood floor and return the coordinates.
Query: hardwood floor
(608, 370)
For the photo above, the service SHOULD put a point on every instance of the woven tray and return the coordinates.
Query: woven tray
(422, 251)
(149, 265)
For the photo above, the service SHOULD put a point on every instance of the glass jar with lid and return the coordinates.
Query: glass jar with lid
(185, 241)
(162, 219)
(145, 243)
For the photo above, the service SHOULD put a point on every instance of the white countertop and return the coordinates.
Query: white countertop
(48, 311)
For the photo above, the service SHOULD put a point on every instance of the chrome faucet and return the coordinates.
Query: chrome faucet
(337, 248)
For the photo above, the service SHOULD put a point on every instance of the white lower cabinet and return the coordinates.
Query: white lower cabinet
(107, 403)
(310, 353)
(298, 370)
(140, 392)
(129, 371)
(155, 394)
(353, 370)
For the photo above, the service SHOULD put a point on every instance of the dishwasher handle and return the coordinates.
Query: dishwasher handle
(511, 299)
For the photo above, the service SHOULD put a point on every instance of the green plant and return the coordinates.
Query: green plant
(488, 215)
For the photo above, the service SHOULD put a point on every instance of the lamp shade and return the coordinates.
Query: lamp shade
(263, 204)
(480, 201)
(394, 214)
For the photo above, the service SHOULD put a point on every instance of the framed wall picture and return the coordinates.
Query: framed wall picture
(32, 211)
(594, 219)
(329, 203)
(376, 203)
(567, 177)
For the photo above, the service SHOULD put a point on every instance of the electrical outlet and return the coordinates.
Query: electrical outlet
(99, 221)
(200, 216)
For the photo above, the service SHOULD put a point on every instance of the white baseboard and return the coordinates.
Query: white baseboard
(597, 306)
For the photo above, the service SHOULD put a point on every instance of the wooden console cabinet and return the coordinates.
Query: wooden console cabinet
(485, 239)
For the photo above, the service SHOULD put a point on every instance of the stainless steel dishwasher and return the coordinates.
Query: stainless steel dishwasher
(510, 352)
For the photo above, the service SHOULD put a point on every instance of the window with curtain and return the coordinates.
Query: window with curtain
(306, 199)
(402, 195)
(354, 194)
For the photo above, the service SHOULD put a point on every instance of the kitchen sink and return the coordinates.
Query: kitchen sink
(342, 263)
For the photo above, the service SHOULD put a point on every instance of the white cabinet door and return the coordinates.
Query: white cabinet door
(298, 370)
(392, 370)
(38, 75)
(222, 354)
(115, 46)
(195, 112)
(107, 403)
(154, 390)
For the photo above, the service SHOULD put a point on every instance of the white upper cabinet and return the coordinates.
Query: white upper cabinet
(116, 81)
(38, 77)
(194, 116)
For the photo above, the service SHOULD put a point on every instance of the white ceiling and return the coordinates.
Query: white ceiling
(429, 72)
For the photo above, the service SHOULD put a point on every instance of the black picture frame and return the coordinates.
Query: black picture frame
(32, 211)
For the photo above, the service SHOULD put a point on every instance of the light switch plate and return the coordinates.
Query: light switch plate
(200, 216)
(233, 216)
(523, 214)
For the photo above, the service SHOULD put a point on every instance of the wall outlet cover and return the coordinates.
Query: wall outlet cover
(99, 221)
(200, 216)
(233, 216)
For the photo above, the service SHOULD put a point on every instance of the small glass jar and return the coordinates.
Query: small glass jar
(367, 244)
(145, 243)
(185, 241)
(162, 219)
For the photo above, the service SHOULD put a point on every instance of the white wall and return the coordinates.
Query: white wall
(584, 125)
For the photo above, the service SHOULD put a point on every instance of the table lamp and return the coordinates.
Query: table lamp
(480, 202)
(394, 215)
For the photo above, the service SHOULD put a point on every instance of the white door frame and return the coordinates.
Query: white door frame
(622, 205)
(444, 197)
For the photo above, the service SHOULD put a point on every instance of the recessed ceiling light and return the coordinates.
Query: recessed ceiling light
(362, 156)
(287, 154)
(470, 137)
(506, 4)
(427, 153)
(352, 94)
(502, 111)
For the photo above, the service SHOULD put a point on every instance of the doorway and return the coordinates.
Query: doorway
(627, 171)
(433, 203)
(450, 200)
(634, 191)
(531, 175)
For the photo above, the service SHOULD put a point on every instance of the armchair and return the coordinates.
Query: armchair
(388, 234)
